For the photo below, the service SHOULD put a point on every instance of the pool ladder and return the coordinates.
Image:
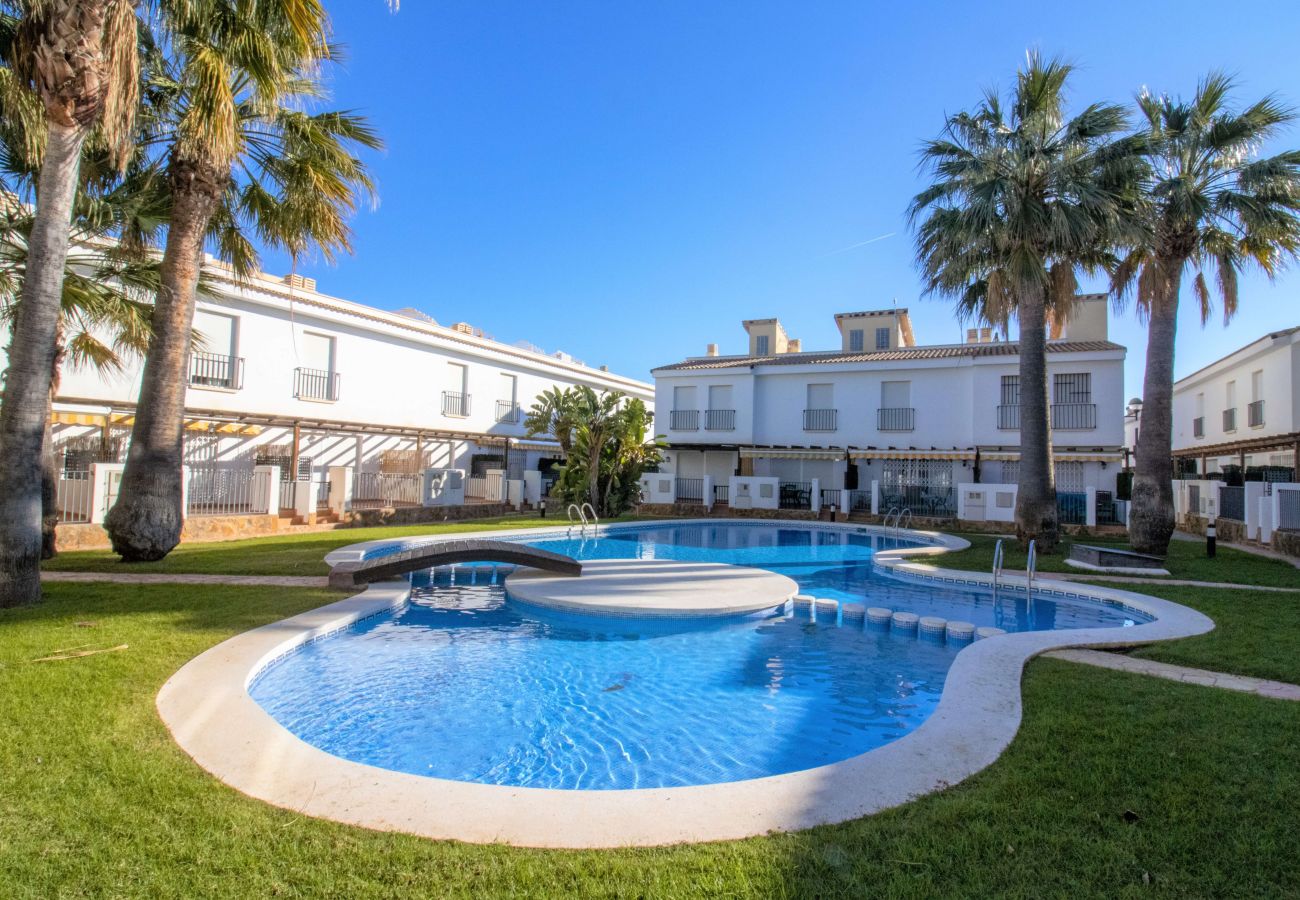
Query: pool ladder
(997, 568)
(578, 516)
(898, 516)
(1031, 568)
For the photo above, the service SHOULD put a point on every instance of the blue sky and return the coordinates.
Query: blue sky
(627, 181)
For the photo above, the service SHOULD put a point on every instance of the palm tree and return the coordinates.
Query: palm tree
(555, 414)
(242, 152)
(1021, 198)
(79, 56)
(1210, 205)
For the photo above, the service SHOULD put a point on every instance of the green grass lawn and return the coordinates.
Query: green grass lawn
(1256, 633)
(282, 554)
(1116, 786)
(1186, 560)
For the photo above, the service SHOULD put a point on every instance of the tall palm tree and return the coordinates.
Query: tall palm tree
(1211, 204)
(555, 414)
(241, 152)
(1021, 197)
(79, 56)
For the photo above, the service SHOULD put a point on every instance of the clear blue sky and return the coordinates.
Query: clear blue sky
(627, 181)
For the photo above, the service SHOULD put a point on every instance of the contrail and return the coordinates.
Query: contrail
(857, 245)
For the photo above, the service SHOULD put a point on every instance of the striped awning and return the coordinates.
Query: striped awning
(1089, 456)
(96, 420)
(765, 453)
(540, 446)
(954, 455)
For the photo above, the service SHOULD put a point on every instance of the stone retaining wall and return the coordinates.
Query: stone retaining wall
(1228, 530)
(416, 515)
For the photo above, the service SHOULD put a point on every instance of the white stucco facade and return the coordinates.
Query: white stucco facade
(283, 366)
(942, 413)
(1244, 407)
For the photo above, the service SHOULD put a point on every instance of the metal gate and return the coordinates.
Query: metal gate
(925, 486)
(1071, 497)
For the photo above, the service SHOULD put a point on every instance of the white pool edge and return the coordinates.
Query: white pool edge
(207, 708)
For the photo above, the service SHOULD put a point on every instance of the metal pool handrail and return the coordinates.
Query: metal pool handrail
(997, 567)
(595, 519)
(893, 511)
(580, 519)
(1031, 567)
(898, 523)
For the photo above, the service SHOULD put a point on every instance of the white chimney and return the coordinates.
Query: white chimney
(793, 346)
(711, 350)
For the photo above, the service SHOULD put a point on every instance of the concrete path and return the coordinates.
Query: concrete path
(1155, 580)
(308, 581)
(1276, 690)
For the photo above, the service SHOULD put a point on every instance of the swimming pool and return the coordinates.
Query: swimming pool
(463, 683)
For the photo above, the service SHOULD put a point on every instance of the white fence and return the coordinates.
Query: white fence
(383, 489)
(75, 496)
(490, 486)
(232, 492)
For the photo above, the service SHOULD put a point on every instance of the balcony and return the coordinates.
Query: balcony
(507, 412)
(1198, 427)
(820, 419)
(215, 370)
(1074, 416)
(720, 420)
(315, 384)
(684, 420)
(455, 404)
(1255, 414)
(1009, 418)
(1230, 419)
(896, 418)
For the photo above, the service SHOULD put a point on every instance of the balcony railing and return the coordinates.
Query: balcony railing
(685, 420)
(1198, 426)
(216, 370)
(1009, 418)
(820, 419)
(721, 493)
(315, 384)
(1074, 416)
(508, 412)
(896, 418)
(720, 420)
(1230, 419)
(1255, 414)
(455, 404)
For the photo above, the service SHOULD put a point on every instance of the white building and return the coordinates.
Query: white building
(291, 377)
(917, 420)
(1243, 410)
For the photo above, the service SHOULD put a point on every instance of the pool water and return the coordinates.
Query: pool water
(462, 683)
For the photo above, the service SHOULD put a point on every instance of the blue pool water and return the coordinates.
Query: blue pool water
(463, 684)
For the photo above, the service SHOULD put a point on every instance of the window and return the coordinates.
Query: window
(455, 399)
(821, 396)
(316, 379)
(882, 338)
(218, 333)
(1010, 390)
(720, 396)
(1230, 395)
(1257, 385)
(761, 345)
(684, 396)
(507, 405)
(217, 364)
(685, 414)
(895, 394)
(1072, 387)
(855, 340)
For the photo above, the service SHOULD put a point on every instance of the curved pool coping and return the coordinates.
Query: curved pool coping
(207, 708)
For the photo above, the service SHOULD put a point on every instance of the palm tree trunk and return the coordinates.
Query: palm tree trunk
(49, 483)
(1151, 515)
(145, 522)
(1036, 515)
(23, 414)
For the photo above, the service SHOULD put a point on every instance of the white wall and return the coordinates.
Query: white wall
(1278, 359)
(392, 370)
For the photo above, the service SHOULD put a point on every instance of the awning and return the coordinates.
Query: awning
(1058, 456)
(954, 455)
(540, 446)
(78, 418)
(762, 453)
